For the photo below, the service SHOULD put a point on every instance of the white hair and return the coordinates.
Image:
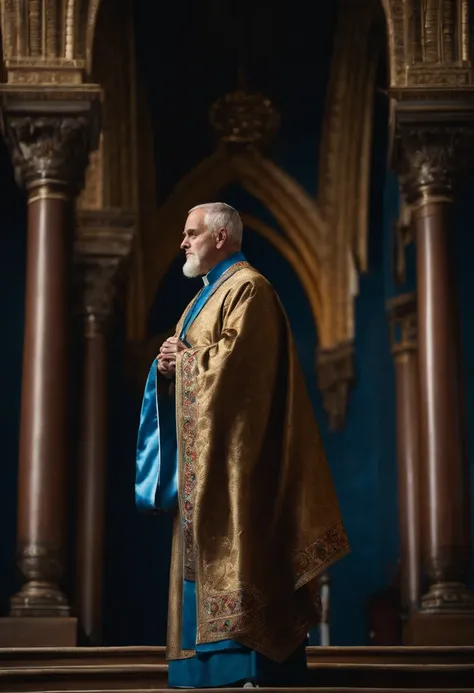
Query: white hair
(219, 215)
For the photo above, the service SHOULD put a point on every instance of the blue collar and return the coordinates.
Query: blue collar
(216, 272)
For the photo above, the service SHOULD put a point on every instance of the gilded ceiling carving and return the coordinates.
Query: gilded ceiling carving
(428, 43)
(107, 217)
(111, 179)
(48, 41)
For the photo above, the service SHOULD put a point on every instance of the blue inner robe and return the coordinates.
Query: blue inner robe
(156, 488)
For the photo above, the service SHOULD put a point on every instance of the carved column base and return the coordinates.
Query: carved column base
(448, 597)
(41, 569)
(39, 599)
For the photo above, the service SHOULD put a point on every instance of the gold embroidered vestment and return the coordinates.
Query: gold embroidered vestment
(258, 516)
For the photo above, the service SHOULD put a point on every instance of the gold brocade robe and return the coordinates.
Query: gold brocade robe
(258, 516)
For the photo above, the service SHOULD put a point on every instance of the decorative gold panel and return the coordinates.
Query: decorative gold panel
(48, 41)
(345, 159)
(429, 43)
(111, 180)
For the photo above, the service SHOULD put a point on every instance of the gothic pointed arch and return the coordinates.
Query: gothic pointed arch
(295, 212)
(345, 159)
(288, 252)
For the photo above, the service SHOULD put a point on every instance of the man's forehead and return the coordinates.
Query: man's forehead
(195, 220)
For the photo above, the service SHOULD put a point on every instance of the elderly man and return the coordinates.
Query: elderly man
(228, 443)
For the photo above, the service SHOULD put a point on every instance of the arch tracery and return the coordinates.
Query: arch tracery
(281, 195)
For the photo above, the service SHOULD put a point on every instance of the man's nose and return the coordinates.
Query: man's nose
(184, 244)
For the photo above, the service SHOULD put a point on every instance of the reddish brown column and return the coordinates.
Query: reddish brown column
(433, 155)
(444, 540)
(402, 316)
(44, 442)
(50, 153)
(102, 246)
(91, 483)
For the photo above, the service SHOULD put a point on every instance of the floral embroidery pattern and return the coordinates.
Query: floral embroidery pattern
(229, 613)
(189, 406)
(315, 557)
(232, 603)
(189, 421)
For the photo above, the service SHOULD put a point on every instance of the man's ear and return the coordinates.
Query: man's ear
(221, 237)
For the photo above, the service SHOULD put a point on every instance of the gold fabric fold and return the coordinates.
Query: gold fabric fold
(258, 518)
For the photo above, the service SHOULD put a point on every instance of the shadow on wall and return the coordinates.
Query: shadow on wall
(12, 295)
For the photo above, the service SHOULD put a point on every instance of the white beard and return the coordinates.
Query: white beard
(192, 267)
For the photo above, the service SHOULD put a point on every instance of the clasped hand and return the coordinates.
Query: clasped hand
(167, 356)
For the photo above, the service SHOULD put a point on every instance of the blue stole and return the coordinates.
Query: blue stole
(156, 488)
(156, 480)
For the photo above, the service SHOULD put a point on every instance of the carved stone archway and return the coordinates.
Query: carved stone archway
(281, 244)
(291, 207)
(345, 161)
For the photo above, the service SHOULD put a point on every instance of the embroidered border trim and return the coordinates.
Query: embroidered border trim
(231, 612)
(223, 278)
(189, 425)
(312, 560)
(189, 412)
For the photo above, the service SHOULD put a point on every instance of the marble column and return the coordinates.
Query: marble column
(102, 248)
(434, 150)
(403, 324)
(50, 141)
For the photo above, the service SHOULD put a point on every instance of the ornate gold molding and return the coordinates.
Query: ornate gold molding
(429, 43)
(48, 41)
(111, 179)
(111, 194)
(345, 163)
